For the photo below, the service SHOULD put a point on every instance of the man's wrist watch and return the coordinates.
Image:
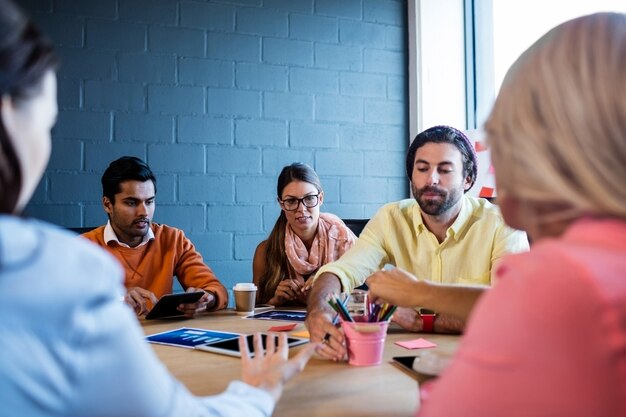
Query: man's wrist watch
(428, 319)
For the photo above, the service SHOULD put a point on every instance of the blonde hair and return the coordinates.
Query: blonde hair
(558, 128)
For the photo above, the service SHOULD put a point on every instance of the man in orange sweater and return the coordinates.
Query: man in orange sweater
(150, 253)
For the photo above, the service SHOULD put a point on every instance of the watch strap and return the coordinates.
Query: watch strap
(428, 320)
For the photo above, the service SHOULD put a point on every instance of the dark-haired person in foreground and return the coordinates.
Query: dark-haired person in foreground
(442, 236)
(69, 347)
(151, 254)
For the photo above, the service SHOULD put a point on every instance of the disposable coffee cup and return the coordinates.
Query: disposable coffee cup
(365, 341)
(245, 297)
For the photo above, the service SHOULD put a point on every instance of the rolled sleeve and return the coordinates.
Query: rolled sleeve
(364, 258)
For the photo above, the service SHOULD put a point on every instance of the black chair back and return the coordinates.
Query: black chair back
(80, 230)
(356, 225)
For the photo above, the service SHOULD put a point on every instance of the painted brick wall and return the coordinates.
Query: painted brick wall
(218, 96)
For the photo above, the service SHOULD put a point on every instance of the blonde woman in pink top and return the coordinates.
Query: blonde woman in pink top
(302, 240)
(550, 338)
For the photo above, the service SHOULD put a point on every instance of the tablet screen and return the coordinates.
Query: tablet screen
(231, 346)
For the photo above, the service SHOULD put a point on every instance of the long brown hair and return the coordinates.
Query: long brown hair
(278, 267)
(25, 57)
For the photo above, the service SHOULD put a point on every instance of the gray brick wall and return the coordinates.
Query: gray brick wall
(218, 96)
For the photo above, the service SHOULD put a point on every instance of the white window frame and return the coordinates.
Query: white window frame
(437, 65)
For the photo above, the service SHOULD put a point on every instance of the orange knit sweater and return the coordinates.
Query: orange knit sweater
(153, 265)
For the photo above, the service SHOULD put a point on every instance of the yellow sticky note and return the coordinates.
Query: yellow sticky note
(302, 333)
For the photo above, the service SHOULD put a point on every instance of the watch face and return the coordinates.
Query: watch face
(426, 312)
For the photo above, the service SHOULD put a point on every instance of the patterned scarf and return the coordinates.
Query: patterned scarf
(333, 239)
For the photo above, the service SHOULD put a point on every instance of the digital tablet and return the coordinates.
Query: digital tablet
(166, 306)
(428, 363)
(261, 308)
(284, 315)
(230, 347)
(406, 364)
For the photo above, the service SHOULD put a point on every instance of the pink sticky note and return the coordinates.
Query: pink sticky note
(416, 344)
(285, 328)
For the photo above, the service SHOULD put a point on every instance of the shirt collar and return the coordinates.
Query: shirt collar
(110, 236)
(461, 220)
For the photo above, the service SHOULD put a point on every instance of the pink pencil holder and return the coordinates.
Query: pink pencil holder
(365, 341)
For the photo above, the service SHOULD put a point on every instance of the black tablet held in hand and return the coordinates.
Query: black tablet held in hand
(166, 307)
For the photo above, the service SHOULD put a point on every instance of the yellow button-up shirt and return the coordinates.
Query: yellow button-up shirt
(397, 235)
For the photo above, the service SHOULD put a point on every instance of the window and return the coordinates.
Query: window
(460, 50)
(437, 80)
(514, 27)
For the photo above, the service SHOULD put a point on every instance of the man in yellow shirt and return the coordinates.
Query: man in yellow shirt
(443, 236)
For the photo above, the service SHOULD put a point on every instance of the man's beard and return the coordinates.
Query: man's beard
(435, 207)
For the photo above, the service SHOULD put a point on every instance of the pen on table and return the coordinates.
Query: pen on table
(335, 322)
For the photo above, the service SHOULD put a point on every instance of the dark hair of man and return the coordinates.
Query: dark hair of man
(25, 57)
(445, 134)
(278, 267)
(126, 168)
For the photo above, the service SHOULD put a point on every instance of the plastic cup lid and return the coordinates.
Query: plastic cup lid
(245, 286)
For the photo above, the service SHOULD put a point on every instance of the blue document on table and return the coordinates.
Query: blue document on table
(189, 337)
(284, 315)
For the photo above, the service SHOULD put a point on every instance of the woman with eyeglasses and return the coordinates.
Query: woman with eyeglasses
(302, 240)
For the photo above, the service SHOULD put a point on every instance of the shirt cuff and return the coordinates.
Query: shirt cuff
(254, 397)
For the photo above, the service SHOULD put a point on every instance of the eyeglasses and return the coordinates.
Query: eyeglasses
(292, 204)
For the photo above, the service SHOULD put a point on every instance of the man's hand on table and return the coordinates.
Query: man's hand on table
(319, 319)
(322, 330)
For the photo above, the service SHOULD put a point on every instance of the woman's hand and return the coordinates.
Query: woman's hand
(269, 370)
(395, 287)
(289, 290)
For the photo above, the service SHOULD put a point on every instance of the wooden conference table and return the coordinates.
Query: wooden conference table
(324, 388)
